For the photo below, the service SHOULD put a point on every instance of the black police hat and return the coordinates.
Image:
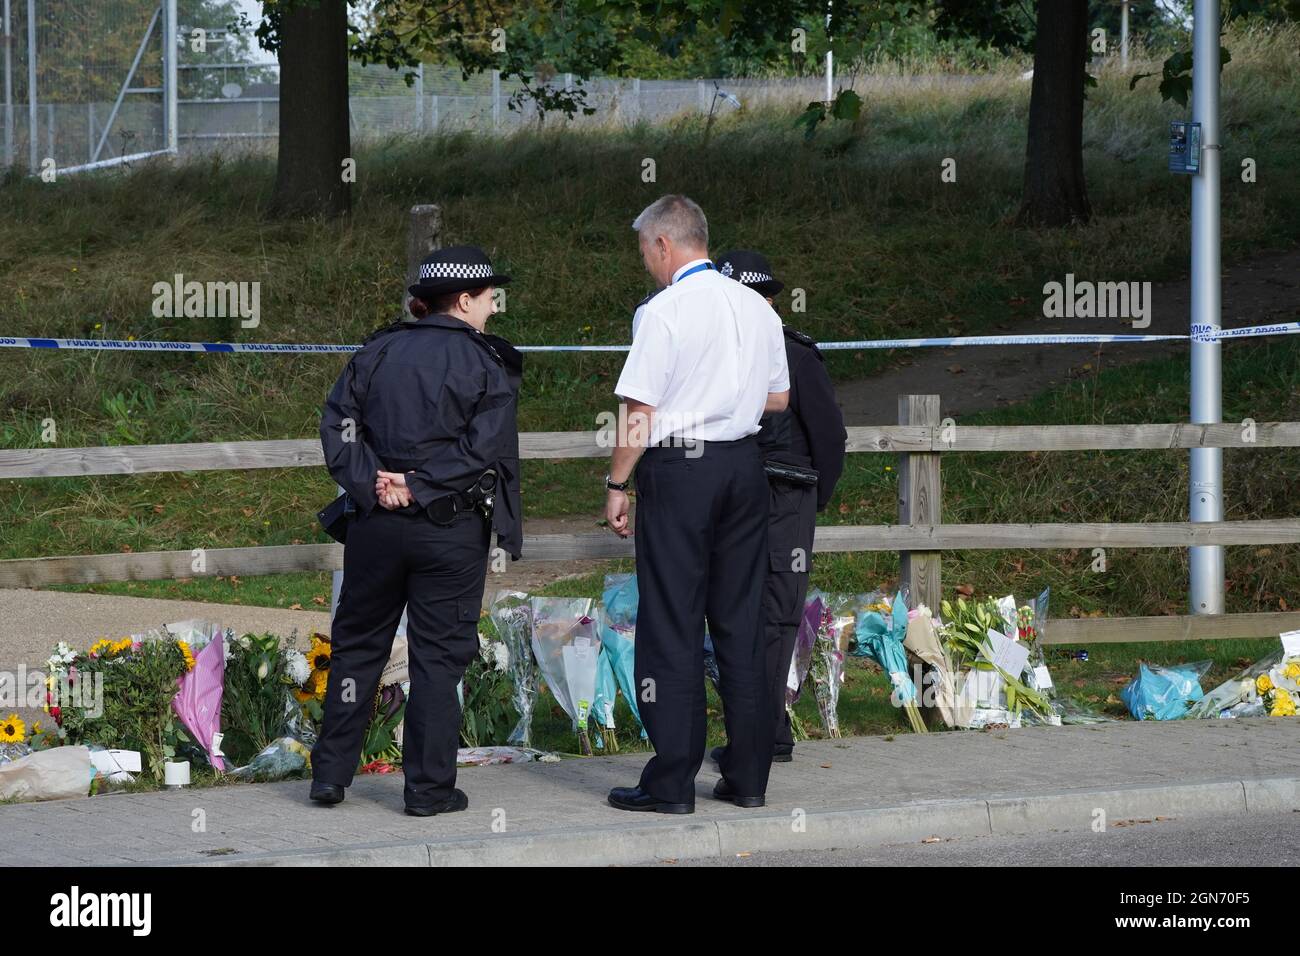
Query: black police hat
(749, 268)
(455, 269)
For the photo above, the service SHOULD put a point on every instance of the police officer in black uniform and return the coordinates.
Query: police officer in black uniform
(420, 431)
(803, 449)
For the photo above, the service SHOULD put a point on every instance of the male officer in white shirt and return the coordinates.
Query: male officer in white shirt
(707, 361)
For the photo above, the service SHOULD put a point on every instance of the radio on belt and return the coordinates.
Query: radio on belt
(1184, 147)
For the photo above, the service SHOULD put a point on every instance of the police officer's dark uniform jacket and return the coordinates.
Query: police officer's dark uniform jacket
(434, 399)
(440, 399)
(810, 436)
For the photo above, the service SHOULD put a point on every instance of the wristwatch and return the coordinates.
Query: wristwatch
(613, 485)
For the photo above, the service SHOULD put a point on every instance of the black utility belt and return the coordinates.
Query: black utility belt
(795, 474)
(445, 509)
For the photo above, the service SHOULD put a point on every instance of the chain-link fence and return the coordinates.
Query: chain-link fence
(88, 83)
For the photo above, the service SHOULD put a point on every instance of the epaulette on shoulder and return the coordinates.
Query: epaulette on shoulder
(392, 327)
(794, 335)
(504, 351)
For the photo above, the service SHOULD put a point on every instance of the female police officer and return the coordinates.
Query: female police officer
(420, 432)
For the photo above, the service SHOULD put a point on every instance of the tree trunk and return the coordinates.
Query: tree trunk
(1055, 192)
(314, 134)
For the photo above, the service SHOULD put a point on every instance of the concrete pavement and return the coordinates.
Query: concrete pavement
(858, 792)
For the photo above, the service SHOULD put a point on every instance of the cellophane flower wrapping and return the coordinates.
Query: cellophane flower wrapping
(827, 667)
(882, 628)
(619, 601)
(581, 661)
(512, 616)
(1164, 693)
(801, 660)
(1242, 697)
(557, 623)
(198, 697)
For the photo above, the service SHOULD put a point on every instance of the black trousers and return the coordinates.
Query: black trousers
(701, 553)
(792, 522)
(394, 559)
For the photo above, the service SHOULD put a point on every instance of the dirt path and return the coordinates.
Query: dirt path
(975, 379)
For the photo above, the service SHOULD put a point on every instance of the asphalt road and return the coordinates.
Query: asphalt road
(1271, 839)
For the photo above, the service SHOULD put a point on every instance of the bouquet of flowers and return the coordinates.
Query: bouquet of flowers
(512, 616)
(923, 642)
(1164, 693)
(486, 695)
(617, 663)
(988, 693)
(258, 705)
(566, 644)
(881, 630)
(1269, 687)
(827, 666)
(801, 660)
(119, 695)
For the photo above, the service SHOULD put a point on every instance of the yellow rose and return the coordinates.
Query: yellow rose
(1263, 684)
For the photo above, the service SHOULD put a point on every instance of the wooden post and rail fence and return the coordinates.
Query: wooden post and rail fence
(919, 441)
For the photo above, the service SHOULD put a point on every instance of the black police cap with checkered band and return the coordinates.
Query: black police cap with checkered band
(455, 269)
(751, 269)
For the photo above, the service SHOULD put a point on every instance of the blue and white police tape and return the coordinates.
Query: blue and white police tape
(1200, 333)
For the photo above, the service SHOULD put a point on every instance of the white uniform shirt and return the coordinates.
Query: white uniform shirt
(705, 353)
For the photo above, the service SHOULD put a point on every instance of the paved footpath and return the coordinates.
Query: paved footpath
(858, 792)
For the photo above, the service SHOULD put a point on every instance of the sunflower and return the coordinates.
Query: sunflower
(12, 730)
(187, 654)
(101, 646)
(319, 681)
(302, 696)
(123, 645)
(319, 655)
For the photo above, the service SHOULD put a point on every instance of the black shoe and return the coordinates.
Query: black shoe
(634, 798)
(722, 791)
(457, 801)
(326, 792)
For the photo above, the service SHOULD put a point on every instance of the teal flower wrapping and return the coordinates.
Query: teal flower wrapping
(880, 637)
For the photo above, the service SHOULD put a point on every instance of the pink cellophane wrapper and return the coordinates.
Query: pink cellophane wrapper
(198, 701)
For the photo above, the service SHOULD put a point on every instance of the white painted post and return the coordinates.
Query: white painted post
(170, 56)
(32, 116)
(496, 99)
(419, 98)
(9, 84)
(1123, 32)
(1205, 564)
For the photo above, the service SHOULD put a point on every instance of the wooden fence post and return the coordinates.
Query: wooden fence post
(919, 501)
(423, 235)
(920, 498)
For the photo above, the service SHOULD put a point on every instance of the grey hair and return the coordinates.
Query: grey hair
(678, 218)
